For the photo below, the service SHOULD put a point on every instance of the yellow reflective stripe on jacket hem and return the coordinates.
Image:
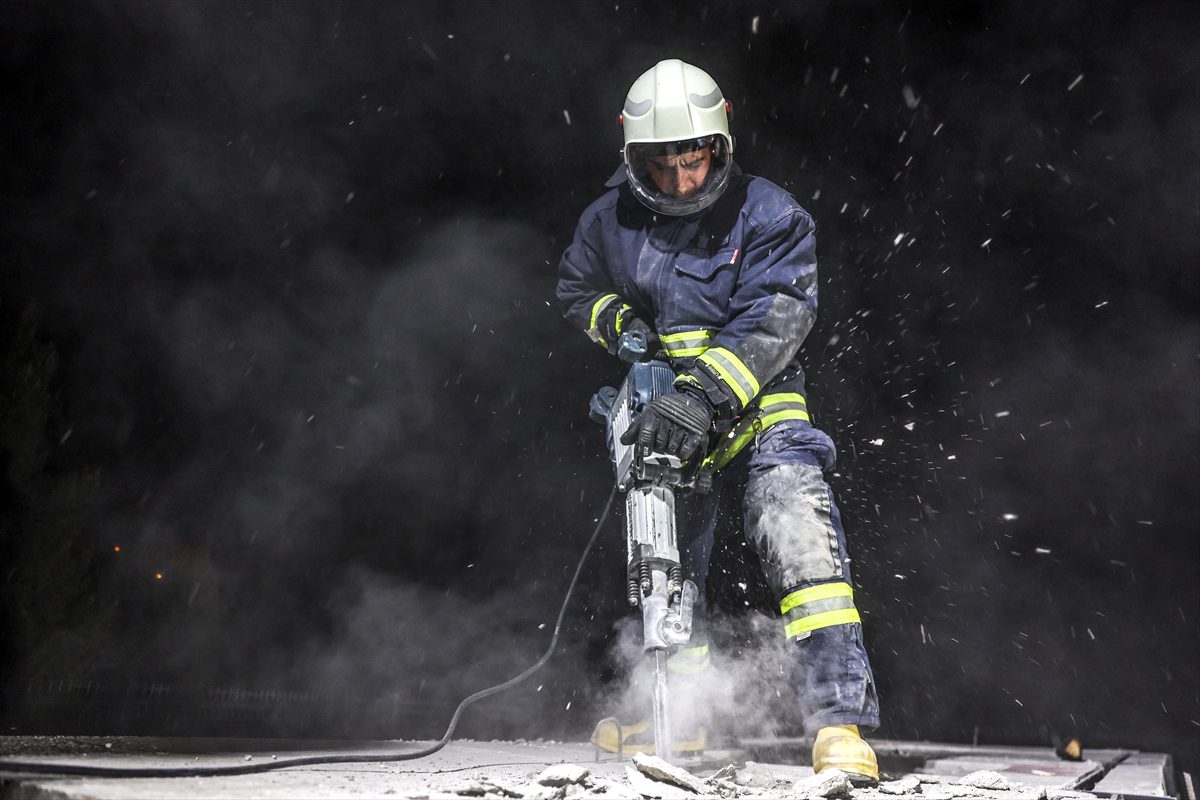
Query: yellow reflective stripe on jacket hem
(598, 307)
(771, 410)
(782, 406)
(733, 372)
(782, 397)
(822, 591)
(690, 660)
(780, 416)
(686, 343)
(826, 619)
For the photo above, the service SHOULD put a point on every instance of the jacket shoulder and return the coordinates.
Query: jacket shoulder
(768, 203)
(602, 205)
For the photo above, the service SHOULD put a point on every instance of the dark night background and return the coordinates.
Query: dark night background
(277, 320)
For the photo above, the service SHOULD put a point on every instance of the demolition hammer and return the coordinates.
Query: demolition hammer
(650, 480)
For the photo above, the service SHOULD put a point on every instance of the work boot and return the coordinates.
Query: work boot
(840, 747)
(637, 737)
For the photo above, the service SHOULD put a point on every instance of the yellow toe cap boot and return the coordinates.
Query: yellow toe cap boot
(840, 747)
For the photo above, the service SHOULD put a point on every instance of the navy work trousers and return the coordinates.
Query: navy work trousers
(773, 500)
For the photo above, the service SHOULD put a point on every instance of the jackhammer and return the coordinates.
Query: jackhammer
(650, 480)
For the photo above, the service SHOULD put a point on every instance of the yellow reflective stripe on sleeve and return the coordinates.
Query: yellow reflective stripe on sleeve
(733, 372)
(686, 343)
(620, 323)
(598, 307)
(822, 591)
(826, 619)
(685, 378)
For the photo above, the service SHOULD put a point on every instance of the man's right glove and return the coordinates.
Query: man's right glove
(676, 424)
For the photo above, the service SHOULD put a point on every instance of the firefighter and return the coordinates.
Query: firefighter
(720, 268)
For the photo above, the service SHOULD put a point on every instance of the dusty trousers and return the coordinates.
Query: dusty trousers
(773, 506)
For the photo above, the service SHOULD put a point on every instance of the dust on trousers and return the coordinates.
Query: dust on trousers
(775, 495)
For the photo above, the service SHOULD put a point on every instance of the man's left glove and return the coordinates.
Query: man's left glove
(676, 424)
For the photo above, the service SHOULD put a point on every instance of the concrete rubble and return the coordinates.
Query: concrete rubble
(541, 770)
(651, 777)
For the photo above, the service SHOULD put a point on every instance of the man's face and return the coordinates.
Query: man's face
(679, 176)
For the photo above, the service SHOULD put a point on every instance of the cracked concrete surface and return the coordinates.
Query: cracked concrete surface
(532, 771)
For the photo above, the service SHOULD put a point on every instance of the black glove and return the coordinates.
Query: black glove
(676, 424)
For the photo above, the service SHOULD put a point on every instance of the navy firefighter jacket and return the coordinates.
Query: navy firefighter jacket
(731, 291)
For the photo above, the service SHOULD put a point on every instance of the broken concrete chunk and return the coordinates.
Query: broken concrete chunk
(910, 784)
(725, 773)
(611, 790)
(563, 774)
(541, 792)
(655, 768)
(649, 788)
(984, 779)
(754, 775)
(830, 783)
(726, 788)
(482, 788)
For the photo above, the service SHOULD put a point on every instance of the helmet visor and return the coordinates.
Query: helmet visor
(681, 177)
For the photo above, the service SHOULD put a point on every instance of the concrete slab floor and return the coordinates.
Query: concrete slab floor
(511, 769)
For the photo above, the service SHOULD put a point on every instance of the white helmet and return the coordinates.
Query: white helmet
(673, 109)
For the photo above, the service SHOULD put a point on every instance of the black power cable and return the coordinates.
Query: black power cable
(51, 768)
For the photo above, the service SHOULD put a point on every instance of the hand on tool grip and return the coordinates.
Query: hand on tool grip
(676, 424)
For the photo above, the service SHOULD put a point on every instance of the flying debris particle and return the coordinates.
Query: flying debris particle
(1092, 635)
(429, 51)
(833, 77)
(567, 116)
(899, 238)
(540, 687)
(844, 207)
(908, 426)
(1101, 304)
(542, 627)
(986, 242)
(349, 197)
(1027, 76)
(1008, 517)
(817, 195)
(938, 129)
(1075, 82)
(910, 99)
(833, 340)
(899, 576)
(1000, 414)
(952, 458)
(1145, 522)
(754, 25)
(877, 442)
(1042, 551)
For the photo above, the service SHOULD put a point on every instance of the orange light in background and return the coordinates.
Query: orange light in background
(158, 576)
(117, 548)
